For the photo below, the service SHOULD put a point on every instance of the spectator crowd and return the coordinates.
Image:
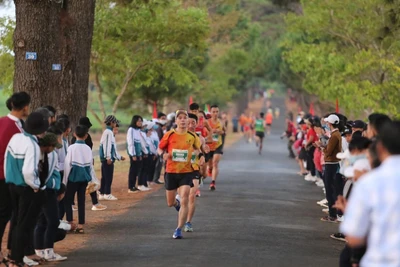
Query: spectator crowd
(355, 164)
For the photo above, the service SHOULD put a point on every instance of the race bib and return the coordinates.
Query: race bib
(180, 155)
(215, 137)
(193, 159)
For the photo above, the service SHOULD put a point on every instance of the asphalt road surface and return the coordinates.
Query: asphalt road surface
(262, 214)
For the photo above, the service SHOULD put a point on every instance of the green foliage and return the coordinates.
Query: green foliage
(6, 57)
(347, 50)
(147, 48)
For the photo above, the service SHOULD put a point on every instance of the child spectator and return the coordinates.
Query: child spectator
(85, 121)
(108, 155)
(78, 172)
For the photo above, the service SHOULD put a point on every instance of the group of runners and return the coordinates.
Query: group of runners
(192, 150)
(255, 127)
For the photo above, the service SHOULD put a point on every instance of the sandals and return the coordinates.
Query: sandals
(78, 231)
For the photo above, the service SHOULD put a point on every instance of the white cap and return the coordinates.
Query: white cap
(145, 122)
(150, 125)
(332, 119)
(343, 155)
(359, 165)
(170, 116)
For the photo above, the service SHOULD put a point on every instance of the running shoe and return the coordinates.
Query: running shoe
(100, 197)
(212, 186)
(198, 194)
(143, 188)
(178, 234)
(188, 227)
(178, 201)
(338, 236)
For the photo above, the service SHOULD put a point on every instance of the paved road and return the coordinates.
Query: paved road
(262, 214)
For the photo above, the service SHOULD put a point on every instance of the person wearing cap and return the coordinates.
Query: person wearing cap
(136, 152)
(10, 125)
(85, 121)
(25, 181)
(78, 172)
(47, 226)
(372, 209)
(333, 147)
(108, 156)
(358, 126)
(53, 113)
(177, 147)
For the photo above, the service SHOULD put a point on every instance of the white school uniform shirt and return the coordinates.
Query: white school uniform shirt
(62, 153)
(373, 213)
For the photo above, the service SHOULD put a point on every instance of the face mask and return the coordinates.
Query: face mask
(156, 127)
(353, 159)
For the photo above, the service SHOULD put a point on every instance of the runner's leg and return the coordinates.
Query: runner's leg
(215, 168)
(192, 200)
(183, 192)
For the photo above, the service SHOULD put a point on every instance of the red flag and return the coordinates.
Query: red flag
(155, 115)
(311, 111)
(190, 100)
(337, 105)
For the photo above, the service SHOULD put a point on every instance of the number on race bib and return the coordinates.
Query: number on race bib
(180, 155)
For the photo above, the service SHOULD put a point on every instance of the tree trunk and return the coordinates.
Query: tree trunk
(59, 34)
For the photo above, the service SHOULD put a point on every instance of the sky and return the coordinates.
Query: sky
(7, 10)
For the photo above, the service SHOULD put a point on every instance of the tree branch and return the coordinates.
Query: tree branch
(99, 93)
(128, 79)
(95, 115)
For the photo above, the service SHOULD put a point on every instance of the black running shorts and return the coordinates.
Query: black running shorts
(175, 180)
(218, 151)
(260, 134)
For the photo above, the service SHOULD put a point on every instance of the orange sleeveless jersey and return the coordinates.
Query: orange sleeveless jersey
(217, 139)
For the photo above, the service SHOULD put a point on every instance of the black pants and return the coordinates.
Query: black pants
(107, 174)
(144, 172)
(61, 204)
(48, 222)
(158, 168)
(339, 185)
(330, 175)
(134, 171)
(310, 160)
(152, 168)
(5, 208)
(93, 196)
(73, 188)
(25, 210)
